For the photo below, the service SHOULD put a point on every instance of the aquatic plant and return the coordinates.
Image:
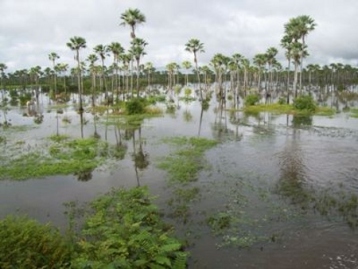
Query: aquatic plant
(186, 162)
(123, 229)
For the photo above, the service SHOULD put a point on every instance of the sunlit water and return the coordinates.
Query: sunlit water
(284, 183)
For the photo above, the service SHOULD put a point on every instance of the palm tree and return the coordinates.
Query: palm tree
(270, 57)
(187, 65)
(3, 67)
(260, 61)
(62, 68)
(195, 46)
(53, 57)
(102, 51)
(76, 43)
(137, 50)
(116, 49)
(149, 69)
(298, 52)
(299, 27)
(132, 17)
(286, 43)
(92, 59)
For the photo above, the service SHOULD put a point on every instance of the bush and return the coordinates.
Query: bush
(136, 106)
(282, 100)
(26, 243)
(304, 102)
(252, 99)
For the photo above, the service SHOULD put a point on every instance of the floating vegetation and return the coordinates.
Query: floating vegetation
(184, 164)
(124, 229)
(64, 156)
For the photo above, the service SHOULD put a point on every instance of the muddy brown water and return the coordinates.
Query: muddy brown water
(284, 184)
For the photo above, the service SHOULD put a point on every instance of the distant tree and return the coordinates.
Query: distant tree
(76, 43)
(3, 67)
(53, 57)
(195, 46)
(137, 51)
(187, 65)
(102, 51)
(116, 49)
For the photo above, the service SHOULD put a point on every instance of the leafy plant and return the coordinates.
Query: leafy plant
(252, 99)
(123, 230)
(304, 102)
(26, 243)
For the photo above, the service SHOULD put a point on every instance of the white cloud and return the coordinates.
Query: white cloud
(31, 29)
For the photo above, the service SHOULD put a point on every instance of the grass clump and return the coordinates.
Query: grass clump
(354, 112)
(63, 157)
(186, 162)
(26, 243)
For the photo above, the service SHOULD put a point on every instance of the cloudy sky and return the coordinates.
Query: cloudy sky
(31, 29)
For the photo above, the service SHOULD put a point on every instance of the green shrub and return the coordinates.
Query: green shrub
(304, 102)
(26, 244)
(136, 106)
(252, 99)
(282, 100)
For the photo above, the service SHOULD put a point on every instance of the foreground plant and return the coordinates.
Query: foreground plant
(123, 229)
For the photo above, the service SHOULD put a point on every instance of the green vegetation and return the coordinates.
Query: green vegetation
(64, 156)
(354, 112)
(122, 229)
(304, 103)
(252, 99)
(184, 165)
(26, 243)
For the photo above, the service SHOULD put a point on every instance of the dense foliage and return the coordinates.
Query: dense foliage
(122, 229)
(28, 244)
(304, 102)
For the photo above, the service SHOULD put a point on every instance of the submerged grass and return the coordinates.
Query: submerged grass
(354, 112)
(63, 156)
(287, 109)
(185, 163)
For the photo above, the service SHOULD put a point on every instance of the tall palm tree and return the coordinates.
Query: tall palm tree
(194, 46)
(298, 28)
(137, 50)
(298, 52)
(132, 17)
(270, 57)
(3, 67)
(149, 69)
(76, 43)
(187, 65)
(260, 60)
(116, 49)
(92, 59)
(102, 51)
(53, 57)
(286, 43)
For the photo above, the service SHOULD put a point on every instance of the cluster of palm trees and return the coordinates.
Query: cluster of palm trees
(265, 72)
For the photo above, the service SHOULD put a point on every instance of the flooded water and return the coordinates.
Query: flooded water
(278, 192)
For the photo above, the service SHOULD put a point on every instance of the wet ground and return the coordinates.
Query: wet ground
(276, 192)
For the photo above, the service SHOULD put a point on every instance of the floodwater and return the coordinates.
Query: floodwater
(286, 187)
